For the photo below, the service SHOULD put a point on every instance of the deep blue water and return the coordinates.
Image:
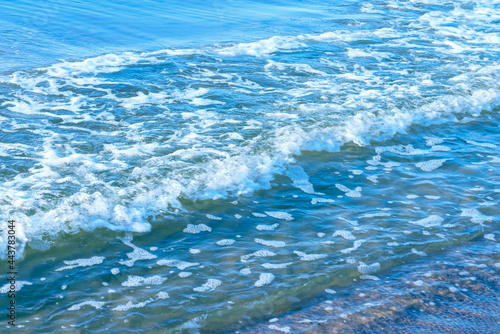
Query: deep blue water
(41, 32)
(185, 166)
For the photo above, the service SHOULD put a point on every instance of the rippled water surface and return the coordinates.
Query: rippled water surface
(184, 167)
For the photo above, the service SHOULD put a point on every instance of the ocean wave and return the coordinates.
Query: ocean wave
(113, 140)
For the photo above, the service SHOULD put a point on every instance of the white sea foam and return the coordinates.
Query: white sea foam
(82, 263)
(344, 234)
(133, 280)
(261, 253)
(279, 215)
(245, 271)
(210, 285)
(417, 252)
(17, 286)
(476, 216)
(368, 268)
(356, 245)
(490, 236)
(300, 179)
(195, 229)
(94, 304)
(130, 305)
(225, 242)
(348, 192)
(352, 222)
(181, 265)
(138, 254)
(267, 227)
(264, 279)
(309, 257)
(376, 214)
(431, 221)
(321, 200)
(432, 197)
(429, 166)
(282, 329)
(276, 265)
(481, 144)
(270, 243)
(162, 295)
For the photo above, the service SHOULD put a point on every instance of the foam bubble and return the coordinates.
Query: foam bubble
(344, 234)
(210, 285)
(352, 222)
(225, 242)
(348, 192)
(195, 229)
(264, 279)
(376, 214)
(309, 257)
(276, 265)
(260, 253)
(267, 227)
(368, 268)
(94, 304)
(18, 286)
(475, 216)
(432, 197)
(487, 145)
(280, 215)
(245, 271)
(300, 179)
(321, 200)
(181, 265)
(431, 221)
(137, 254)
(429, 166)
(490, 236)
(130, 305)
(356, 245)
(82, 263)
(270, 243)
(419, 253)
(133, 280)
(162, 295)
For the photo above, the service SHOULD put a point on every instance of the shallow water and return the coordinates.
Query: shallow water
(219, 182)
(456, 292)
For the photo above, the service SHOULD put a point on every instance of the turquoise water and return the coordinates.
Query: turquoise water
(203, 166)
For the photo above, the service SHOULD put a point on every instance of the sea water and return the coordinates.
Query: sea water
(203, 166)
